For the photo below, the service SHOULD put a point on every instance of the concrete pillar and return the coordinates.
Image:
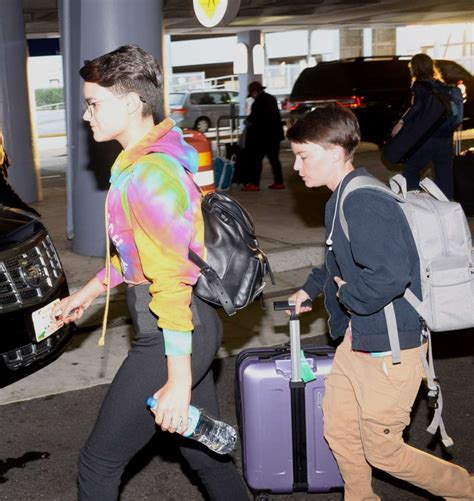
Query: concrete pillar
(250, 39)
(384, 41)
(90, 29)
(15, 107)
(351, 42)
(368, 44)
(309, 52)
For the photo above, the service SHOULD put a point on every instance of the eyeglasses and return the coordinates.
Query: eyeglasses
(90, 107)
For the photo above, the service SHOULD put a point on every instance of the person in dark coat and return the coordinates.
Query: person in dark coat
(439, 147)
(263, 136)
(8, 195)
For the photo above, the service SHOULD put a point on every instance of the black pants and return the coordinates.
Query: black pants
(125, 425)
(257, 150)
(440, 151)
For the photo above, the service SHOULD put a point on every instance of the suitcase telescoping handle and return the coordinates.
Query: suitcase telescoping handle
(295, 344)
(298, 400)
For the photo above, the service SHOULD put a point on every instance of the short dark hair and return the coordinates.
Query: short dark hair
(128, 69)
(328, 125)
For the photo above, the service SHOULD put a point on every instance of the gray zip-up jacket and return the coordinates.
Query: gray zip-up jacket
(378, 264)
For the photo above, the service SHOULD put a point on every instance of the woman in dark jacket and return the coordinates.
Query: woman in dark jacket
(439, 147)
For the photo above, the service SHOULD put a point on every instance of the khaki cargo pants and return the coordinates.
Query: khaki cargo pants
(367, 406)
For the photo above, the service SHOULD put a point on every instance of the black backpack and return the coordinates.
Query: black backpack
(234, 273)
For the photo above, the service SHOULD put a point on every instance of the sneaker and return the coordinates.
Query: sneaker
(276, 186)
(250, 187)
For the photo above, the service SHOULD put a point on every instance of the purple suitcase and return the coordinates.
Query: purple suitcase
(281, 420)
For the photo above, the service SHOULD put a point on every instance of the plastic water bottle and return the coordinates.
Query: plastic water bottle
(217, 435)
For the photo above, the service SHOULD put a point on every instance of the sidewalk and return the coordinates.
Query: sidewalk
(289, 226)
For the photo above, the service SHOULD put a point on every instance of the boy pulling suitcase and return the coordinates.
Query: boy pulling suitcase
(368, 399)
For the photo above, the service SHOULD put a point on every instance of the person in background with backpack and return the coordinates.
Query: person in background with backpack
(368, 399)
(153, 217)
(438, 148)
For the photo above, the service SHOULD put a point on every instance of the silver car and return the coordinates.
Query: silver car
(200, 109)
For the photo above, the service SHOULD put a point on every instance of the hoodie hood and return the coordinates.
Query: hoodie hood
(164, 138)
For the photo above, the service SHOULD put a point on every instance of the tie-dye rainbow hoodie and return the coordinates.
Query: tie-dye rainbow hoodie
(154, 215)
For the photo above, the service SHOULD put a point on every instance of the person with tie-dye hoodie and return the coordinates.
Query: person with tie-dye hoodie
(153, 216)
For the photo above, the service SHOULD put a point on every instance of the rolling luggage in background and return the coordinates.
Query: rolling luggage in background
(223, 173)
(230, 165)
(281, 419)
(463, 173)
(224, 162)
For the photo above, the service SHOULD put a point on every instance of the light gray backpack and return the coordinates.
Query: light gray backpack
(443, 240)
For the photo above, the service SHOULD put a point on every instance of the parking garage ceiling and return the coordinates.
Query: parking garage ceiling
(41, 16)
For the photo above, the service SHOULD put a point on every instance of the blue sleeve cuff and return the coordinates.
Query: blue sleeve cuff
(177, 343)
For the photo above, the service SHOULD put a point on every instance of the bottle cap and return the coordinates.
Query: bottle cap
(151, 402)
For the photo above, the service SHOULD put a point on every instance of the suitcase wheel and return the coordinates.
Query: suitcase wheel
(261, 496)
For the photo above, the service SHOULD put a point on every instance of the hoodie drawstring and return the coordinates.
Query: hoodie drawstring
(107, 273)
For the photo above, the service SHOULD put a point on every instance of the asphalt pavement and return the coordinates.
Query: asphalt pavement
(46, 418)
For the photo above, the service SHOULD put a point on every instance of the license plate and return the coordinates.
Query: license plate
(43, 323)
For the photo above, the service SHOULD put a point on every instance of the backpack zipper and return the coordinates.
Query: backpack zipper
(445, 249)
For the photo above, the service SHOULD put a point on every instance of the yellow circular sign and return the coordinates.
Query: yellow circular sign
(211, 13)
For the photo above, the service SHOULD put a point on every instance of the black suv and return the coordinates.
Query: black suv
(31, 277)
(376, 89)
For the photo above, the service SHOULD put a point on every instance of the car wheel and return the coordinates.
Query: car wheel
(202, 124)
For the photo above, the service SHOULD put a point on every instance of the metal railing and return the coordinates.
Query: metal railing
(52, 106)
(235, 127)
(226, 82)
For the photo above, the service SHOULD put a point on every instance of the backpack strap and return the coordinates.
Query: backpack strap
(214, 281)
(392, 329)
(435, 397)
(355, 184)
(398, 183)
(432, 189)
(208, 271)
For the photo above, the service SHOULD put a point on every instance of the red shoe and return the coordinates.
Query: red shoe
(250, 187)
(276, 186)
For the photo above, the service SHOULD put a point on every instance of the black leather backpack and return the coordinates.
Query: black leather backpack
(234, 272)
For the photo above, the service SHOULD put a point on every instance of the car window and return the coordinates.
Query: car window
(221, 97)
(380, 75)
(177, 99)
(213, 97)
(320, 82)
(200, 98)
(337, 79)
